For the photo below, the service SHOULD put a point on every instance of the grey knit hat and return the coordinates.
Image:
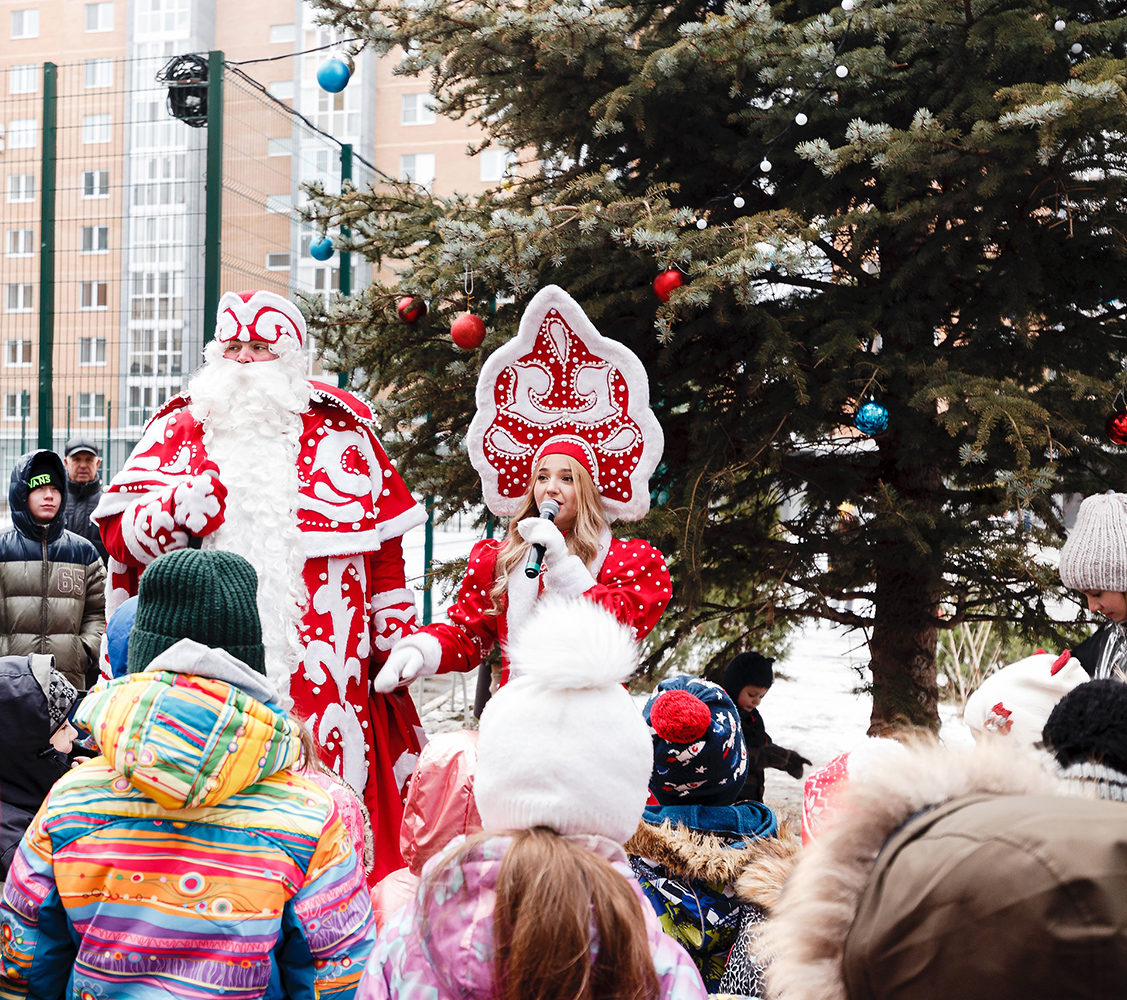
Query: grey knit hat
(61, 696)
(208, 596)
(1094, 556)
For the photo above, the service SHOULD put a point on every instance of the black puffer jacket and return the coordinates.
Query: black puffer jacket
(30, 765)
(82, 498)
(52, 584)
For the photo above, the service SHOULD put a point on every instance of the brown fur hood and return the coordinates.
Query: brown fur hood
(757, 872)
(808, 929)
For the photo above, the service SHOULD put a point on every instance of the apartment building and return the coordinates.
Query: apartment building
(129, 192)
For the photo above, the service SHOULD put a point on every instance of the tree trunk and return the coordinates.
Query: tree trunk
(905, 635)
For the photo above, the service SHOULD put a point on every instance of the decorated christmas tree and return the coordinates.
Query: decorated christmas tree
(887, 327)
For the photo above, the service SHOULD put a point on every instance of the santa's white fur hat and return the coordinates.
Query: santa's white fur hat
(563, 745)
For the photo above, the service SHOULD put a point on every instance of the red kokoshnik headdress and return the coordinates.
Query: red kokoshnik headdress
(561, 387)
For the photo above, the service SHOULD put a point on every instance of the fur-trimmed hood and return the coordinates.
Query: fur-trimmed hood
(756, 871)
(971, 853)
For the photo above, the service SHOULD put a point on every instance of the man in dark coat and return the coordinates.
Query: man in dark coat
(84, 489)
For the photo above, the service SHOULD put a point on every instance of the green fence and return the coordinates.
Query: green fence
(123, 225)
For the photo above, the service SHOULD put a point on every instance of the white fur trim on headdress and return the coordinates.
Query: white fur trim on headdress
(561, 378)
(258, 315)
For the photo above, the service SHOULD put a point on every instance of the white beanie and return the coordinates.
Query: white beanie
(1094, 556)
(563, 745)
(1017, 700)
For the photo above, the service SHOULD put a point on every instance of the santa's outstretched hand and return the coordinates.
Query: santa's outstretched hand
(161, 522)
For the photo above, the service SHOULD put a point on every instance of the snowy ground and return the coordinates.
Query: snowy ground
(813, 706)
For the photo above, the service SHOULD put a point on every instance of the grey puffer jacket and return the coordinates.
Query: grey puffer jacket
(52, 584)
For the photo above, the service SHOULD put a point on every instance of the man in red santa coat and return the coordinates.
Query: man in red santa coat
(260, 460)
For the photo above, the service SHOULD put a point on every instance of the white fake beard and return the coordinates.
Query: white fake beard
(251, 416)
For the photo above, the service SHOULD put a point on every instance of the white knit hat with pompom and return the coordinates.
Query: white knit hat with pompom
(1094, 556)
(563, 744)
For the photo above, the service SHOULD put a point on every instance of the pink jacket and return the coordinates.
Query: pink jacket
(451, 957)
(439, 807)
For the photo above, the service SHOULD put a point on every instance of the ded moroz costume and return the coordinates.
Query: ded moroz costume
(287, 471)
(558, 389)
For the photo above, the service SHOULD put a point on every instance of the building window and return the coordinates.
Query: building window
(156, 295)
(23, 79)
(95, 129)
(417, 168)
(277, 262)
(21, 133)
(94, 295)
(157, 239)
(282, 33)
(496, 163)
(99, 17)
(95, 239)
(25, 23)
(12, 408)
(326, 279)
(95, 184)
(19, 298)
(97, 73)
(416, 109)
(91, 406)
(91, 350)
(155, 352)
(17, 352)
(159, 180)
(21, 187)
(21, 242)
(144, 402)
(161, 17)
(279, 203)
(283, 90)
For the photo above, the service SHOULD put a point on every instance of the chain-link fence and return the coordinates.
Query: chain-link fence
(114, 253)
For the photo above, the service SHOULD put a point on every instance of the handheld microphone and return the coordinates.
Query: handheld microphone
(548, 509)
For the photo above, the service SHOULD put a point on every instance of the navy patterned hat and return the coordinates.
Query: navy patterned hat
(699, 752)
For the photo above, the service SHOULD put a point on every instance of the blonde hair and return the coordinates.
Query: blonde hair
(582, 539)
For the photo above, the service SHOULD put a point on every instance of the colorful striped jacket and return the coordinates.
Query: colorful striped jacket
(188, 860)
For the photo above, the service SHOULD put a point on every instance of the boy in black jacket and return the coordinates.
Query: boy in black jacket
(747, 679)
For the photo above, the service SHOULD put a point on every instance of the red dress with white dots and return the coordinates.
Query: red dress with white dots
(631, 581)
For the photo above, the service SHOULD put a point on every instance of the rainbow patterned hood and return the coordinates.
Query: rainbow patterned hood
(187, 740)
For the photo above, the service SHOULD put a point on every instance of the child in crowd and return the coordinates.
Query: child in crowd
(747, 679)
(190, 859)
(52, 581)
(35, 738)
(697, 841)
(1093, 560)
(1087, 736)
(542, 904)
(439, 806)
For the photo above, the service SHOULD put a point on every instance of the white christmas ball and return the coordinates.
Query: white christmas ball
(846, 4)
(800, 119)
(1060, 25)
(1077, 48)
(765, 165)
(842, 72)
(702, 223)
(738, 201)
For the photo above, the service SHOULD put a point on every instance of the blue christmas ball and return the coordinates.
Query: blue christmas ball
(333, 75)
(871, 418)
(321, 249)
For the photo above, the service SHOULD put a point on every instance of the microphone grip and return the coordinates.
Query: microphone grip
(535, 558)
(548, 509)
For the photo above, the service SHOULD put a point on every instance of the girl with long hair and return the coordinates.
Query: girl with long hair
(563, 415)
(541, 905)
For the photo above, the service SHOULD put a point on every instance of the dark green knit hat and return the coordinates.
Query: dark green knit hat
(210, 597)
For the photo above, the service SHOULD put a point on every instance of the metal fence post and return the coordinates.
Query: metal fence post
(213, 203)
(428, 557)
(345, 378)
(47, 255)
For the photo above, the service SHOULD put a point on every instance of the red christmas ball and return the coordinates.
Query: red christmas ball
(665, 282)
(467, 331)
(411, 309)
(1116, 427)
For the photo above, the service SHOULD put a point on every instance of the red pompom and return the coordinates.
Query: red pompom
(665, 282)
(468, 331)
(1059, 662)
(679, 717)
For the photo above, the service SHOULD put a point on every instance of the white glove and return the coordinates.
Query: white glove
(404, 664)
(541, 531)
